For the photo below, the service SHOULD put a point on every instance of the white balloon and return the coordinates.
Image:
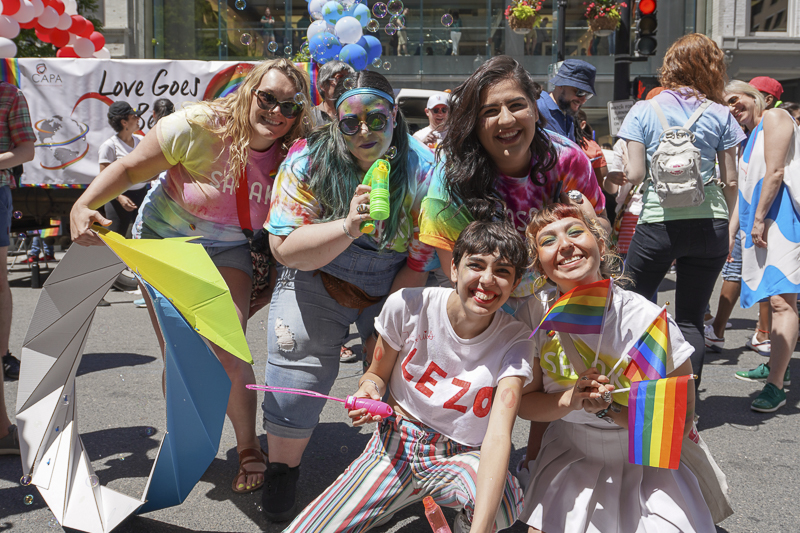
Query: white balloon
(48, 18)
(315, 6)
(72, 39)
(38, 8)
(71, 7)
(103, 53)
(84, 47)
(25, 12)
(348, 30)
(64, 21)
(7, 47)
(9, 28)
(318, 26)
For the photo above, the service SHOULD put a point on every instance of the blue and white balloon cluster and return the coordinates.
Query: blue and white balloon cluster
(338, 33)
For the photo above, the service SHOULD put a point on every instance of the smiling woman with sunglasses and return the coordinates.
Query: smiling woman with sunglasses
(332, 274)
(209, 151)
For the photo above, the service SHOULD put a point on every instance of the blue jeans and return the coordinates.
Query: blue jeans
(305, 332)
(699, 248)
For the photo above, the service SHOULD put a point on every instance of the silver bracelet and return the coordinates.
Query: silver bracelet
(344, 229)
(378, 389)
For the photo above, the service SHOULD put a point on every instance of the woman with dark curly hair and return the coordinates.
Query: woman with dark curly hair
(695, 237)
(496, 153)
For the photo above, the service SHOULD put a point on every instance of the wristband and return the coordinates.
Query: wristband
(344, 229)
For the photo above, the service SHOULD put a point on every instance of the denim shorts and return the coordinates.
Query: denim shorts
(306, 330)
(6, 208)
(236, 256)
(733, 271)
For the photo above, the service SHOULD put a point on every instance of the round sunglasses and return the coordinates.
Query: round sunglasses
(375, 122)
(267, 101)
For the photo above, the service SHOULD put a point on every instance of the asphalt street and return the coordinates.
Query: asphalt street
(119, 397)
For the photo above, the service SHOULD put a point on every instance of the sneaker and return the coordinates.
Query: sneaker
(31, 259)
(462, 523)
(760, 373)
(770, 400)
(11, 367)
(9, 445)
(347, 355)
(710, 320)
(760, 347)
(139, 303)
(280, 487)
(712, 341)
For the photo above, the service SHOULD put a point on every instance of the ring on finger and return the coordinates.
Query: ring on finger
(607, 396)
(584, 378)
(362, 208)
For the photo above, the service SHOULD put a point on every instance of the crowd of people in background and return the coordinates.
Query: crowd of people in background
(504, 202)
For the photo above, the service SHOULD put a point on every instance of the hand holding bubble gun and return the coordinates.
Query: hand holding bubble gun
(377, 177)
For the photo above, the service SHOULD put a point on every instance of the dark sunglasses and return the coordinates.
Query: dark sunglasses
(581, 94)
(733, 100)
(267, 102)
(375, 122)
(439, 110)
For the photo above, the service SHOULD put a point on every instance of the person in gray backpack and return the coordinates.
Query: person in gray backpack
(675, 142)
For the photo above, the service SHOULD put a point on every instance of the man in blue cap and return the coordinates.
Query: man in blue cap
(574, 85)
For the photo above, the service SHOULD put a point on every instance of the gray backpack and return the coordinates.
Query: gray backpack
(675, 165)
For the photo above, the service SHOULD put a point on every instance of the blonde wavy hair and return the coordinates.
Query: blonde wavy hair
(742, 87)
(233, 114)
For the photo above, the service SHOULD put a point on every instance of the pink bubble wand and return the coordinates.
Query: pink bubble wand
(373, 407)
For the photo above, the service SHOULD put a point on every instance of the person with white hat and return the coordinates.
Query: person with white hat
(437, 109)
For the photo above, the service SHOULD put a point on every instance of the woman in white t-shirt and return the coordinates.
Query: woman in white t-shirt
(123, 209)
(454, 364)
(582, 480)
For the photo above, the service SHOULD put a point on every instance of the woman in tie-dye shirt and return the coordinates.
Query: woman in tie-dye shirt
(332, 275)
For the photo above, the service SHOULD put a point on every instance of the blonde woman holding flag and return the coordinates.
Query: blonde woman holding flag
(582, 479)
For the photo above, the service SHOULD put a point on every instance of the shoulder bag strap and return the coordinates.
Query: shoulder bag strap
(661, 117)
(696, 114)
(243, 207)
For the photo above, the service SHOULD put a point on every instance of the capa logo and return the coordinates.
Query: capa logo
(43, 78)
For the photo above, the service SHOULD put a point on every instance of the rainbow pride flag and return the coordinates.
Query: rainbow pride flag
(656, 416)
(649, 354)
(9, 71)
(581, 310)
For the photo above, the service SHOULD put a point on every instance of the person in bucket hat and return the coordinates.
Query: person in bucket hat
(574, 85)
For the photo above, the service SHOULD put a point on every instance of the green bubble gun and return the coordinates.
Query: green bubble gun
(378, 178)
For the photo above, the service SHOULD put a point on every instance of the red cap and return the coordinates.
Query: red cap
(768, 85)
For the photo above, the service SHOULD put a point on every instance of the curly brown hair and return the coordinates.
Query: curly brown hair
(696, 63)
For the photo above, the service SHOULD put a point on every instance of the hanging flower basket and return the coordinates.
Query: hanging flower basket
(603, 26)
(604, 16)
(523, 15)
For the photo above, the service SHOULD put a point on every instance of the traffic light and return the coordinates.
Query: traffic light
(646, 26)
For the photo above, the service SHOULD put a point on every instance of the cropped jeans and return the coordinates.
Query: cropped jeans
(699, 248)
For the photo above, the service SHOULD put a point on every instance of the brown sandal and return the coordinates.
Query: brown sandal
(246, 457)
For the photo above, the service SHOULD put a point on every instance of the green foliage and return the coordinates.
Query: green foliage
(28, 45)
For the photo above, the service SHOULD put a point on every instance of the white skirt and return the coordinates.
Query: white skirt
(583, 482)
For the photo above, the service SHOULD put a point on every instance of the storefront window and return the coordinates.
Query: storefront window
(768, 15)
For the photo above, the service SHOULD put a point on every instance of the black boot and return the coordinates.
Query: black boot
(279, 493)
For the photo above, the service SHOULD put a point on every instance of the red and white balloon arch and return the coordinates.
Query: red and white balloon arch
(56, 22)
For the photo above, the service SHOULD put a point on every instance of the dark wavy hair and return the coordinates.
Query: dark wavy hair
(469, 172)
(333, 173)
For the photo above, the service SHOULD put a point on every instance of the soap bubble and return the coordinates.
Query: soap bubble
(349, 83)
(373, 25)
(272, 46)
(391, 29)
(28, 499)
(287, 51)
(392, 151)
(25, 481)
(306, 121)
(344, 449)
(53, 523)
(92, 481)
(447, 19)
(395, 7)
(399, 21)
(387, 65)
(121, 458)
(376, 62)
(246, 39)
(18, 214)
(299, 99)
(240, 4)
(149, 431)
(379, 10)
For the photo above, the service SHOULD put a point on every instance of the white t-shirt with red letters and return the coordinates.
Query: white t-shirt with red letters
(442, 380)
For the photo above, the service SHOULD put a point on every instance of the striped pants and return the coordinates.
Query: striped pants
(403, 463)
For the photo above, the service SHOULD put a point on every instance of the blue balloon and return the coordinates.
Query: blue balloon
(332, 11)
(361, 13)
(324, 46)
(354, 55)
(372, 45)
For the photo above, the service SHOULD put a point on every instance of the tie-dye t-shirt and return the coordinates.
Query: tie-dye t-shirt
(194, 197)
(294, 204)
(522, 197)
(715, 131)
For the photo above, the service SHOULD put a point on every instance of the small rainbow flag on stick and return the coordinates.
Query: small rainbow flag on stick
(649, 354)
(656, 415)
(581, 310)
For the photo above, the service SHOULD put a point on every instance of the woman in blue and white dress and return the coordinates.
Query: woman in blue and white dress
(769, 220)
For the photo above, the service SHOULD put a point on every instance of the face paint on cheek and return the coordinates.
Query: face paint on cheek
(509, 398)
